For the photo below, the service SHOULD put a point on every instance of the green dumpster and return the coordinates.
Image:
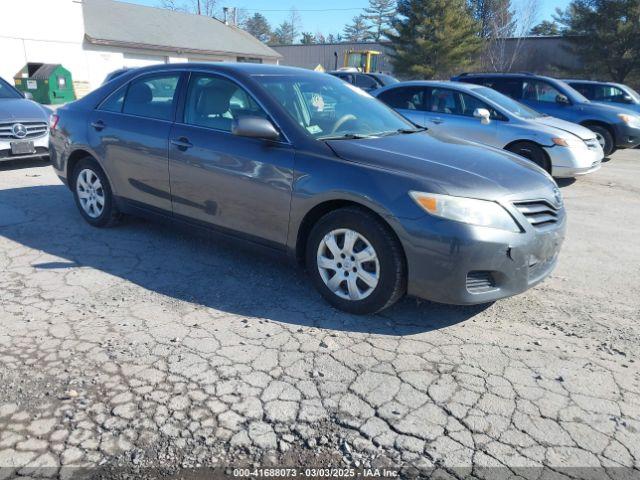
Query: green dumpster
(49, 83)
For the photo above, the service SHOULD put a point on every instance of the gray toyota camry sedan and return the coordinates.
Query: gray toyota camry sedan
(314, 167)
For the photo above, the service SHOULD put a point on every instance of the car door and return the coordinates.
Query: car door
(408, 101)
(235, 183)
(451, 112)
(129, 132)
(543, 97)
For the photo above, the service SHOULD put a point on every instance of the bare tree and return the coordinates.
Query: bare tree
(208, 8)
(506, 29)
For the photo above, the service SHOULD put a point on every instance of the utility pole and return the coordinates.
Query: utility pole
(199, 12)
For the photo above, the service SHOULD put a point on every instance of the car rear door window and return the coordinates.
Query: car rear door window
(404, 98)
(365, 82)
(152, 97)
(443, 100)
(215, 102)
(539, 91)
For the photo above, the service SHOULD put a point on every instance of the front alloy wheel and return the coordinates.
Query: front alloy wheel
(355, 261)
(348, 264)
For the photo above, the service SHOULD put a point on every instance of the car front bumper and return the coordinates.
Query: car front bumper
(41, 145)
(574, 161)
(455, 263)
(626, 136)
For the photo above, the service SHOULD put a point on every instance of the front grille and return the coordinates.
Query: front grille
(480, 281)
(592, 144)
(34, 130)
(539, 213)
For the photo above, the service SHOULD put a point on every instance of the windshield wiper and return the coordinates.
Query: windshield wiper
(412, 130)
(346, 136)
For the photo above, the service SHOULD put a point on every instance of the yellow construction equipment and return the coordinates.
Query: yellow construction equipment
(364, 60)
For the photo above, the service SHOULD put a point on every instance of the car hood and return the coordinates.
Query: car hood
(21, 109)
(573, 128)
(449, 165)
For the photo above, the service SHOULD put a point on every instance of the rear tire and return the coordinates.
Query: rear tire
(532, 152)
(604, 138)
(93, 195)
(355, 261)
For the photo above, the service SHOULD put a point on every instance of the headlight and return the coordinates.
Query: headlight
(568, 141)
(631, 120)
(467, 210)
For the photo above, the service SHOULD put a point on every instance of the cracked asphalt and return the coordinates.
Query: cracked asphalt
(144, 346)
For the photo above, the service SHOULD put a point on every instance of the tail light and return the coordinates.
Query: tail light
(53, 121)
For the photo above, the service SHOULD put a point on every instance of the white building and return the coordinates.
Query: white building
(94, 37)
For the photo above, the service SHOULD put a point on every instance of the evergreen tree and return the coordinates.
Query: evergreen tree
(433, 37)
(493, 15)
(284, 34)
(258, 26)
(307, 38)
(379, 17)
(545, 28)
(605, 34)
(357, 31)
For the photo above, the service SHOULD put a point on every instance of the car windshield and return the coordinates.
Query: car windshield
(508, 103)
(6, 91)
(575, 95)
(328, 108)
(632, 93)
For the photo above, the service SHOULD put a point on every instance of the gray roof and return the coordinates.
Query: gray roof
(108, 22)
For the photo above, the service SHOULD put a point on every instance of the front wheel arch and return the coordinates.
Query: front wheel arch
(516, 143)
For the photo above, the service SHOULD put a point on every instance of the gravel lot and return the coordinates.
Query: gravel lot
(143, 346)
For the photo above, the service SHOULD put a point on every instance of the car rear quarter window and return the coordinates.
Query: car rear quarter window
(404, 98)
(114, 102)
(152, 97)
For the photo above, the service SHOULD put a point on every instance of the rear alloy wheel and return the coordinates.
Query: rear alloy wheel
(604, 137)
(355, 261)
(92, 193)
(532, 152)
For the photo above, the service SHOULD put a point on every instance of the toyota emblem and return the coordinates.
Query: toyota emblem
(19, 130)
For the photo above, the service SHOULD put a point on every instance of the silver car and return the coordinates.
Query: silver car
(24, 126)
(483, 115)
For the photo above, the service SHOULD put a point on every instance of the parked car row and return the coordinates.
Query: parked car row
(440, 190)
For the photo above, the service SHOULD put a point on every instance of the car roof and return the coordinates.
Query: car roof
(502, 75)
(243, 68)
(436, 83)
(591, 82)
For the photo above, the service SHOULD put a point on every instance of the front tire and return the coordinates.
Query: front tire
(93, 195)
(532, 152)
(355, 261)
(605, 139)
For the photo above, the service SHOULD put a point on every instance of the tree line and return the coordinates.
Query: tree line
(439, 37)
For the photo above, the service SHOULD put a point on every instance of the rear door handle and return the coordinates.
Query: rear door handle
(99, 125)
(182, 143)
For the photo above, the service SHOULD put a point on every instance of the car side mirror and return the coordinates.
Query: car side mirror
(627, 99)
(483, 114)
(254, 127)
(562, 99)
(27, 95)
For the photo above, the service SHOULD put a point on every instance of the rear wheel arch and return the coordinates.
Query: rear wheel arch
(72, 161)
(605, 126)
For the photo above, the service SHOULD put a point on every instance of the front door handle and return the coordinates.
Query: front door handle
(182, 143)
(437, 121)
(99, 125)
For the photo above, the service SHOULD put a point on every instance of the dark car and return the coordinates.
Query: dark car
(608, 93)
(374, 206)
(366, 81)
(115, 74)
(615, 127)
(24, 125)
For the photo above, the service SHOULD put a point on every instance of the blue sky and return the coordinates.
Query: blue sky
(329, 16)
